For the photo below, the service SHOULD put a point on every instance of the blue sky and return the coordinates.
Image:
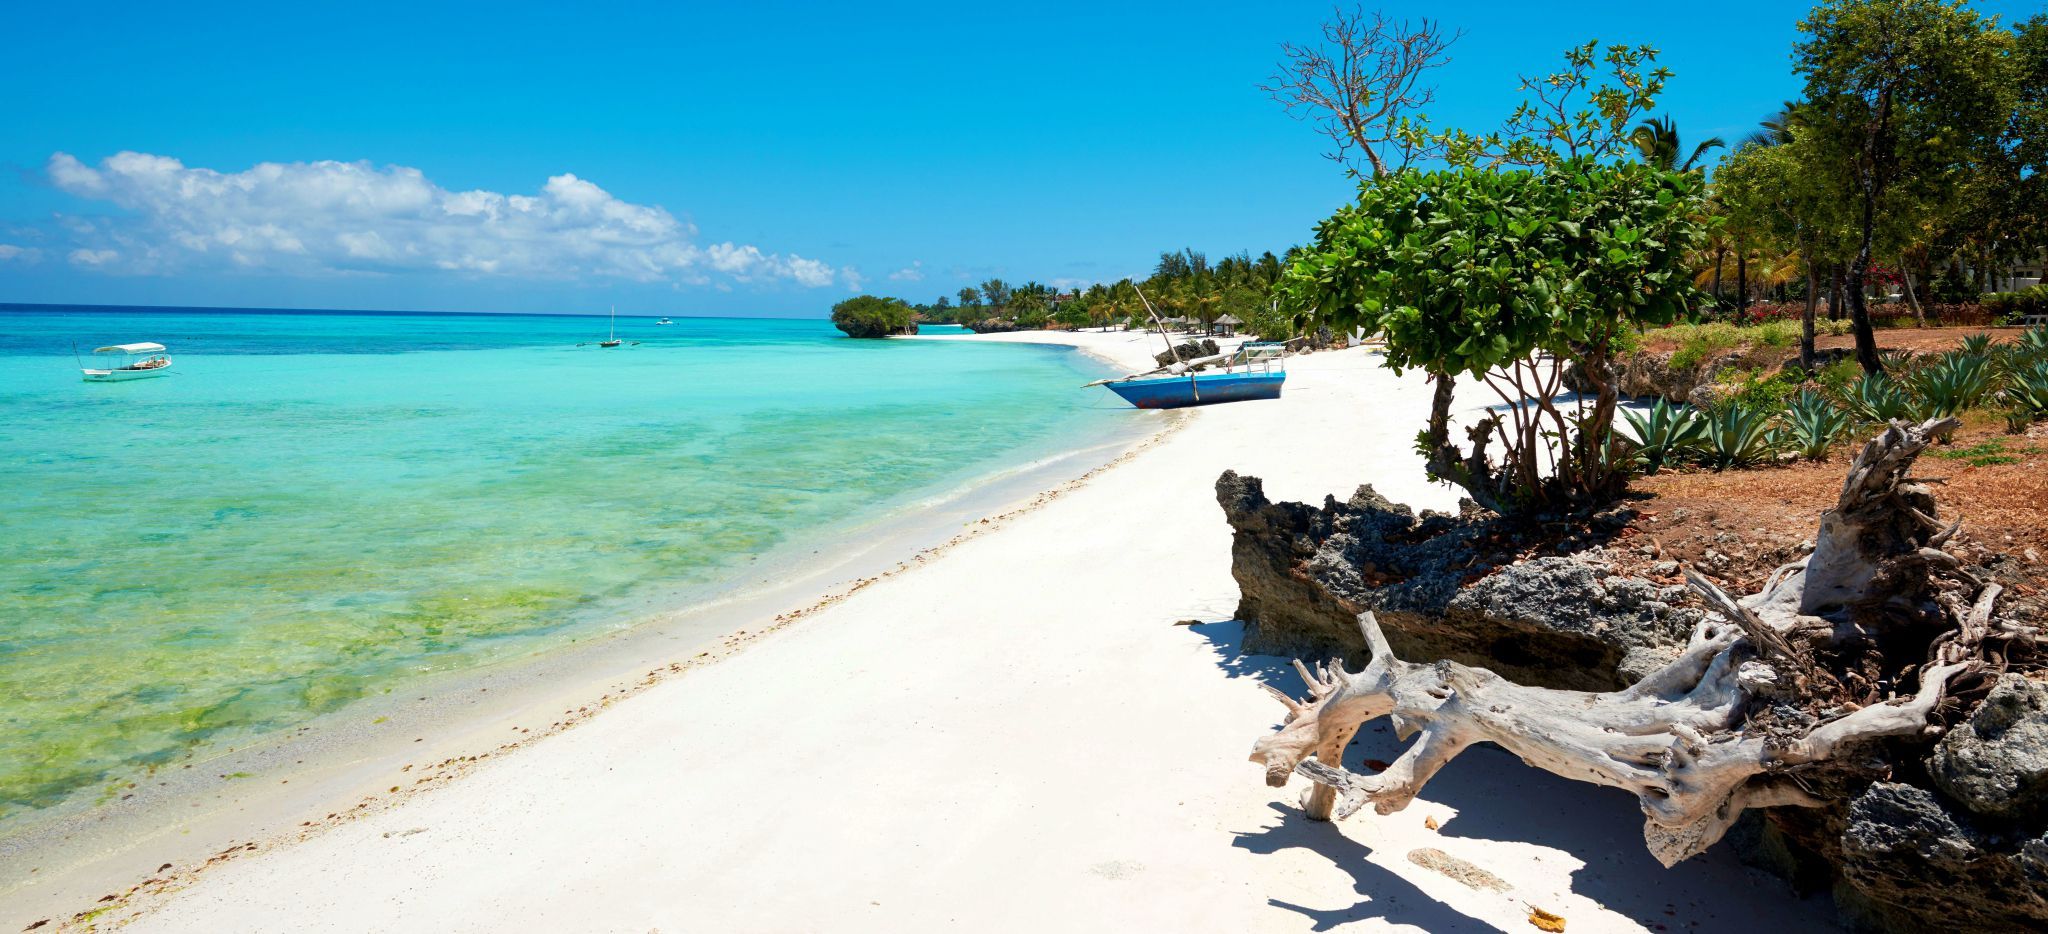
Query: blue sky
(763, 158)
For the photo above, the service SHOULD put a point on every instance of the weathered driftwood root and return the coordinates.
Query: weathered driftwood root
(1685, 739)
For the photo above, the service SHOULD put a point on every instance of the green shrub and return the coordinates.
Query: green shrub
(2033, 341)
(1955, 382)
(1738, 436)
(1776, 333)
(2026, 389)
(874, 316)
(1698, 342)
(1815, 424)
(1666, 433)
(2011, 307)
(1836, 377)
(1766, 393)
(1875, 397)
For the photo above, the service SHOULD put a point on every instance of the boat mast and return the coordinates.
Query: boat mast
(1175, 351)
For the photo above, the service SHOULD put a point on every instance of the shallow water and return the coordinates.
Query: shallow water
(315, 507)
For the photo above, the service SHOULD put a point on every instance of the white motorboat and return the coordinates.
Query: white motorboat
(140, 360)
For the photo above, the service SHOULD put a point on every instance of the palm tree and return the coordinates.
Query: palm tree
(1657, 139)
(1776, 129)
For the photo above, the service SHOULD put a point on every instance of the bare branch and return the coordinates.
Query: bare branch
(1364, 84)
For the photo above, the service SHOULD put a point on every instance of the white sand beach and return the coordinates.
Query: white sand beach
(1013, 736)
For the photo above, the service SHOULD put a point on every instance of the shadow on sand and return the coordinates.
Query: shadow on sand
(1499, 798)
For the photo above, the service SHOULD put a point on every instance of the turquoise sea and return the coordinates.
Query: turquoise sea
(318, 506)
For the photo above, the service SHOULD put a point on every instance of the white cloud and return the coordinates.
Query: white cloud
(911, 273)
(314, 218)
(9, 251)
(852, 277)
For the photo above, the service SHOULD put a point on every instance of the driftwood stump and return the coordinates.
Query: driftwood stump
(1756, 710)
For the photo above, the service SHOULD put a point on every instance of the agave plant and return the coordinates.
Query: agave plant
(1814, 424)
(1901, 362)
(1875, 397)
(2032, 342)
(2026, 389)
(1976, 345)
(1666, 434)
(1955, 382)
(1738, 436)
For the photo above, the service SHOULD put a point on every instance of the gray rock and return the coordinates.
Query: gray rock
(1188, 350)
(1996, 763)
(1912, 862)
(1304, 574)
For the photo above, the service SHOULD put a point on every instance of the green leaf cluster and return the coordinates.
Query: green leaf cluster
(1468, 270)
(874, 316)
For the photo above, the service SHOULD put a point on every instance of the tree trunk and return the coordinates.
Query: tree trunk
(1741, 281)
(1859, 304)
(1835, 292)
(1720, 258)
(1906, 275)
(1806, 320)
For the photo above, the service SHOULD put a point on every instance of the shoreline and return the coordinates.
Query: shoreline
(1039, 729)
(277, 785)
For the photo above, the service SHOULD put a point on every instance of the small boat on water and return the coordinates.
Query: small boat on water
(612, 337)
(140, 360)
(664, 321)
(1256, 371)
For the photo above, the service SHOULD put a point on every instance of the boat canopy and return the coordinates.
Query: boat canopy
(143, 347)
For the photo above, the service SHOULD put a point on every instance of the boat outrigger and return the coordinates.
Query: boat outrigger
(1255, 370)
(140, 360)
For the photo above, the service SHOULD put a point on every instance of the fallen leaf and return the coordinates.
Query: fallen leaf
(1545, 920)
(1430, 823)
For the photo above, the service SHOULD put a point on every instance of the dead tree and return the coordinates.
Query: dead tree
(1755, 712)
(1364, 84)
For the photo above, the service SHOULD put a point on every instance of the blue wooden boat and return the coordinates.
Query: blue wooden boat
(1256, 371)
(1173, 392)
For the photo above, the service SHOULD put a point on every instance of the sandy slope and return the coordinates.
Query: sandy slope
(1015, 736)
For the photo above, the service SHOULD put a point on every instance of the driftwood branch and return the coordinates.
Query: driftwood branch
(1684, 739)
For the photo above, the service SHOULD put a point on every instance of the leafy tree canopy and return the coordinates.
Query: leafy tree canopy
(874, 316)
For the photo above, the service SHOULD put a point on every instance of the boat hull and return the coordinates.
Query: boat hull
(121, 376)
(1173, 392)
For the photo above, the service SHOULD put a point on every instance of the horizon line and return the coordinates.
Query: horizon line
(265, 309)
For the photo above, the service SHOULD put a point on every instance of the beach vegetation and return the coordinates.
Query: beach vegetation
(1738, 436)
(1815, 424)
(1666, 434)
(1540, 247)
(874, 316)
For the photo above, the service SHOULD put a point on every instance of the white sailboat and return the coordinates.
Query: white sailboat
(612, 336)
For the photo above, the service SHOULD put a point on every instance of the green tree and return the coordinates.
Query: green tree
(1901, 92)
(1507, 276)
(874, 316)
(1657, 139)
